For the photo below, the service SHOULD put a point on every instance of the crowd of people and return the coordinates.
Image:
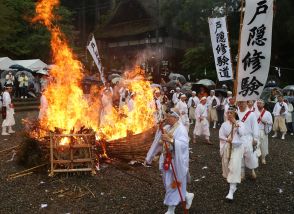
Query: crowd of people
(243, 137)
(24, 86)
(243, 133)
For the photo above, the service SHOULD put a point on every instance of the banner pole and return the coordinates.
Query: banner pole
(227, 23)
(239, 44)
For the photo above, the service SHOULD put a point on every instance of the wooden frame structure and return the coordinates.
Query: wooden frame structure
(72, 153)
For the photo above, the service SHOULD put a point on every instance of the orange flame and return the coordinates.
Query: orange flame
(67, 106)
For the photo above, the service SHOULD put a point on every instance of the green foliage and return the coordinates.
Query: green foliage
(19, 38)
(197, 60)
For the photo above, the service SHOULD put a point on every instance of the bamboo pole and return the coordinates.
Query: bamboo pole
(239, 44)
(6, 150)
(228, 34)
(26, 170)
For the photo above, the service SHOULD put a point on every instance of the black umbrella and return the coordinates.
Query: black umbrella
(221, 91)
(20, 68)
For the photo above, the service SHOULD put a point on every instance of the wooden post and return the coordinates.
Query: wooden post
(239, 44)
(51, 155)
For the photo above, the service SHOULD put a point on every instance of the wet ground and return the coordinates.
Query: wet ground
(120, 188)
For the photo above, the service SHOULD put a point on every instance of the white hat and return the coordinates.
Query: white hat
(174, 112)
(203, 98)
(183, 95)
(212, 91)
(178, 88)
(172, 91)
(193, 92)
(229, 92)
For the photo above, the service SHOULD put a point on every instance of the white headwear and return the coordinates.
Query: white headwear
(193, 92)
(229, 92)
(203, 98)
(178, 88)
(183, 95)
(173, 112)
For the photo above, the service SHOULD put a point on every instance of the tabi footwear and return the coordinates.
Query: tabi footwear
(171, 210)
(189, 198)
(4, 132)
(230, 195)
(10, 130)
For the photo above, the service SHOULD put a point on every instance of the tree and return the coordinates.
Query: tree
(22, 39)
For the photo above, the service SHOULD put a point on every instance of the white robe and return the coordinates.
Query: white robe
(201, 125)
(263, 138)
(9, 121)
(232, 170)
(43, 107)
(156, 105)
(183, 108)
(226, 110)
(176, 98)
(252, 133)
(156, 147)
(212, 114)
(192, 108)
(122, 97)
(277, 109)
(106, 108)
(181, 165)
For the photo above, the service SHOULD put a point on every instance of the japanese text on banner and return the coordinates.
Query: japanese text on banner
(220, 46)
(255, 49)
(93, 49)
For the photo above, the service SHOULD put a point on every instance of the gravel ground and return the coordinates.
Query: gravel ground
(119, 188)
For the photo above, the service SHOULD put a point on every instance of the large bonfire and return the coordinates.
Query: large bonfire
(68, 108)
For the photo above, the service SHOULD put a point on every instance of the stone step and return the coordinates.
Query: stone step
(25, 100)
(26, 108)
(25, 103)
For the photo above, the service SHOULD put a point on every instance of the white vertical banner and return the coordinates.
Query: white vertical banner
(221, 48)
(93, 49)
(255, 49)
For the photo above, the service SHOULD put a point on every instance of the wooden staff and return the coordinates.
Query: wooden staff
(231, 145)
(169, 155)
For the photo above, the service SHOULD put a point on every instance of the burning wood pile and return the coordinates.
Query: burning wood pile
(70, 119)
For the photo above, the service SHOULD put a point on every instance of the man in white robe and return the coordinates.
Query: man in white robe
(43, 106)
(183, 109)
(229, 96)
(264, 119)
(201, 125)
(212, 103)
(231, 150)
(176, 96)
(251, 105)
(232, 102)
(123, 97)
(192, 104)
(155, 147)
(158, 114)
(7, 111)
(175, 141)
(106, 102)
(250, 159)
(280, 111)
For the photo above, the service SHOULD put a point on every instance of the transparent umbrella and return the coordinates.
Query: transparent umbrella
(174, 76)
(205, 82)
(116, 79)
(111, 76)
(28, 74)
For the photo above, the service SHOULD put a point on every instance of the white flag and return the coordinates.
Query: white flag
(221, 48)
(93, 49)
(255, 49)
